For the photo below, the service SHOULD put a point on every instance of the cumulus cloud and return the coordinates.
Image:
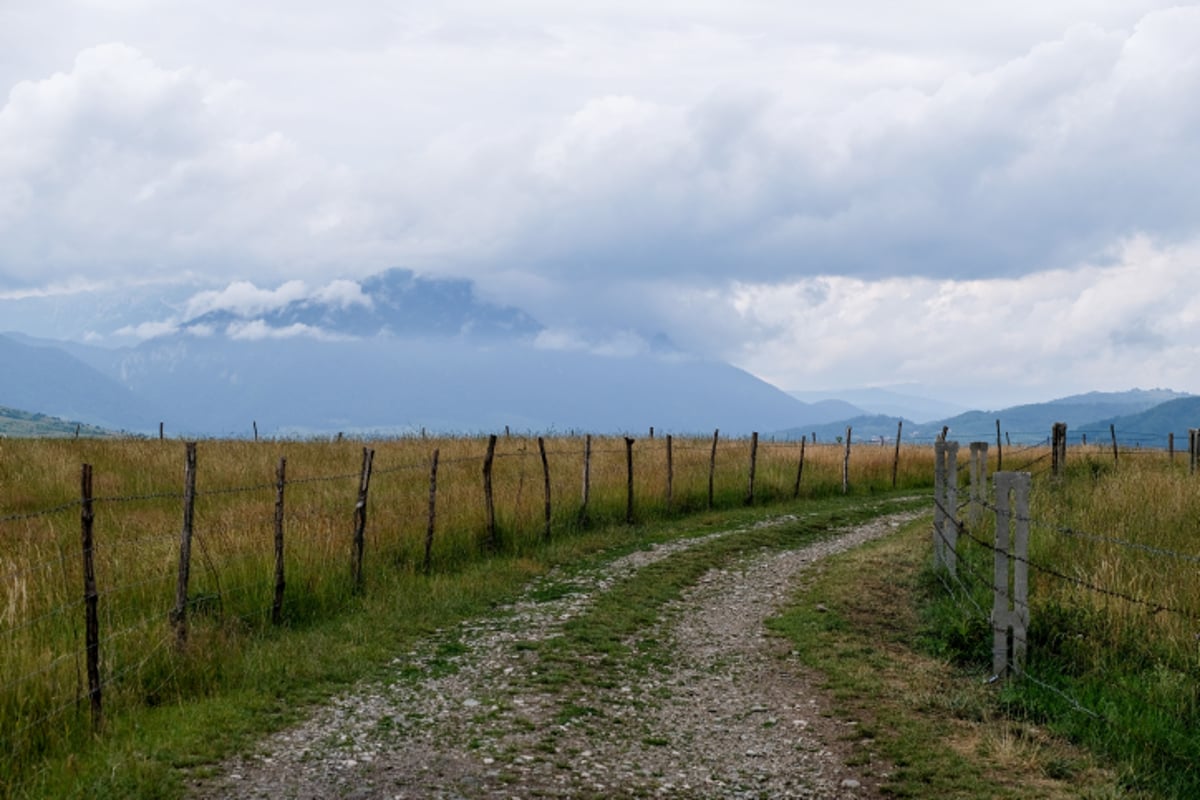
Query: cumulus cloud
(254, 330)
(1130, 322)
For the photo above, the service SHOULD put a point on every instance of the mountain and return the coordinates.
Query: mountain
(864, 428)
(1032, 422)
(396, 302)
(873, 401)
(298, 387)
(1149, 428)
(58, 384)
(24, 423)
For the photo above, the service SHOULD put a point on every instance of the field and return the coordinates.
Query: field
(1114, 604)
(138, 489)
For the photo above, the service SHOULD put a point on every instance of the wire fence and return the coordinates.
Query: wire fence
(142, 596)
(1092, 611)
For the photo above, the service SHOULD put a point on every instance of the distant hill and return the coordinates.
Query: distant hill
(25, 423)
(872, 402)
(1149, 428)
(864, 428)
(58, 384)
(1032, 422)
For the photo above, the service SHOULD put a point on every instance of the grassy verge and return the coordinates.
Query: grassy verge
(151, 750)
(859, 621)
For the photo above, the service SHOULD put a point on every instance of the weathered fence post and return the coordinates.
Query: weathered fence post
(1058, 448)
(1171, 447)
(1112, 429)
(427, 565)
(546, 477)
(492, 542)
(846, 465)
(254, 423)
(945, 513)
(753, 467)
(1010, 610)
(712, 467)
(91, 597)
(670, 473)
(629, 482)
(280, 584)
(1192, 435)
(179, 613)
(979, 478)
(360, 517)
(799, 471)
(999, 449)
(587, 475)
(896, 457)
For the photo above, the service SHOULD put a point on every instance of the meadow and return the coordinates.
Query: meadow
(138, 512)
(1114, 636)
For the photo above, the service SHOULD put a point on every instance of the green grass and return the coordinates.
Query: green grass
(165, 707)
(859, 621)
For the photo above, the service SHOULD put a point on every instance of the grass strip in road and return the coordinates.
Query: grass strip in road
(857, 621)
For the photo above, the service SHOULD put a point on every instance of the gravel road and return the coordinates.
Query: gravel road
(731, 715)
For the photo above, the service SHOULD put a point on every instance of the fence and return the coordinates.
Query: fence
(1126, 599)
(115, 593)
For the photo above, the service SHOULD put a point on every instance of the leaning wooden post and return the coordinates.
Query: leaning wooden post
(846, 464)
(587, 475)
(896, 456)
(492, 541)
(629, 483)
(1171, 447)
(712, 466)
(999, 449)
(1112, 429)
(255, 424)
(91, 597)
(799, 471)
(280, 584)
(670, 474)
(179, 613)
(753, 467)
(1010, 609)
(428, 564)
(546, 476)
(360, 517)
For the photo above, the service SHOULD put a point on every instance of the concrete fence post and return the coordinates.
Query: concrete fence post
(1010, 606)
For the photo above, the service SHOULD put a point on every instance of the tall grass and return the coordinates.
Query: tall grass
(138, 512)
(1114, 639)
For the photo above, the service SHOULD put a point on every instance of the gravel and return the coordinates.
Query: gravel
(731, 714)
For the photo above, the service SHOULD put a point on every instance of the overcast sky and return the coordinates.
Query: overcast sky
(1001, 199)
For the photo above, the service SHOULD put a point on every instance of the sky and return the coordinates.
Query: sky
(993, 201)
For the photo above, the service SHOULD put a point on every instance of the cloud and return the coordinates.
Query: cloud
(245, 299)
(254, 330)
(1113, 325)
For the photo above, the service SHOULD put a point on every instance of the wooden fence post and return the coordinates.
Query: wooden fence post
(179, 614)
(629, 482)
(1010, 610)
(492, 541)
(896, 457)
(546, 476)
(255, 424)
(360, 517)
(712, 467)
(999, 449)
(1112, 429)
(587, 475)
(799, 471)
(91, 597)
(428, 564)
(1058, 448)
(670, 474)
(753, 467)
(846, 465)
(280, 583)
(1171, 447)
